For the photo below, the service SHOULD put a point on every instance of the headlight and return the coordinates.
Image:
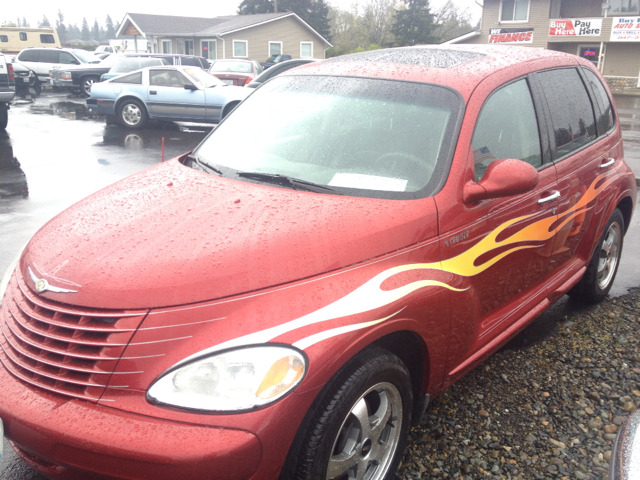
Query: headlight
(7, 275)
(236, 380)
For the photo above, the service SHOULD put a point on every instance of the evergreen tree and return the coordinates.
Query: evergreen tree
(60, 27)
(74, 31)
(19, 23)
(319, 18)
(44, 23)
(111, 31)
(25, 24)
(85, 33)
(252, 7)
(413, 25)
(95, 31)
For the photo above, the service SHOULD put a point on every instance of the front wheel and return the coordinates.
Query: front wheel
(601, 272)
(132, 114)
(360, 425)
(87, 83)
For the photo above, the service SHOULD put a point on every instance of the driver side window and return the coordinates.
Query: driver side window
(507, 128)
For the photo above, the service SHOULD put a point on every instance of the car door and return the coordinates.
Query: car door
(500, 247)
(585, 158)
(168, 98)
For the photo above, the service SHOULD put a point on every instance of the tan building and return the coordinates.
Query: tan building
(608, 34)
(253, 37)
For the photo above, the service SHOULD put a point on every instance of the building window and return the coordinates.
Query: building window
(188, 47)
(589, 52)
(275, 48)
(166, 46)
(4, 38)
(23, 36)
(514, 11)
(47, 38)
(623, 6)
(240, 48)
(209, 49)
(306, 49)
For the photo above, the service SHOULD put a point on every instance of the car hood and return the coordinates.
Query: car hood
(83, 67)
(171, 235)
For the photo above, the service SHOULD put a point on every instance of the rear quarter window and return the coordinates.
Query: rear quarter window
(605, 120)
(135, 78)
(570, 108)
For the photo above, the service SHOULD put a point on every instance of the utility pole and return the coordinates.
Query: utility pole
(275, 10)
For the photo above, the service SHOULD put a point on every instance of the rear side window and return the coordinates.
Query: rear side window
(23, 36)
(605, 120)
(49, 56)
(499, 135)
(571, 110)
(29, 56)
(135, 78)
(46, 38)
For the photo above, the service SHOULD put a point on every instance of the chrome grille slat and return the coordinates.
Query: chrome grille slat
(60, 348)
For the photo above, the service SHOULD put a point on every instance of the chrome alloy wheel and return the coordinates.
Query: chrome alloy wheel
(609, 255)
(368, 438)
(131, 114)
(86, 86)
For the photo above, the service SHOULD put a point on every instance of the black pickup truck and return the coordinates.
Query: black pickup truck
(7, 89)
(79, 78)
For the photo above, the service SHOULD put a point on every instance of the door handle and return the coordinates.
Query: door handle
(152, 92)
(554, 196)
(610, 161)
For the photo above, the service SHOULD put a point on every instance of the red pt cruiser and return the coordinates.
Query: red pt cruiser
(282, 301)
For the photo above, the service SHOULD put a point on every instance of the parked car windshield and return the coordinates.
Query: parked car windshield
(125, 65)
(202, 78)
(86, 57)
(359, 134)
(241, 67)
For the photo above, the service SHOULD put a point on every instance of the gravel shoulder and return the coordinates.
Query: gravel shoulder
(547, 409)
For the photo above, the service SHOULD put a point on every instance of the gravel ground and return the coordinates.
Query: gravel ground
(548, 410)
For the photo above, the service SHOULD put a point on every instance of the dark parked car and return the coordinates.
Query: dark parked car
(282, 301)
(26, 80)
(278, 69)
(80, 78)
(273, 59)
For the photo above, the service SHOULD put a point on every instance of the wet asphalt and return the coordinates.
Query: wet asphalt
(55, 152)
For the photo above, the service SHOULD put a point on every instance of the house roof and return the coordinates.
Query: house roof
(462, 38)
(169, 25)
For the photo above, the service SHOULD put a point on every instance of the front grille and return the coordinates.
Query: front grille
(60, 348)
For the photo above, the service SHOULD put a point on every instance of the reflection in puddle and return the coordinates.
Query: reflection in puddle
(68, 110)
(13, 181)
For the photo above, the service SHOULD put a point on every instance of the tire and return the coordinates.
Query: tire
(4, 118)
(601, 272)
(360, 422)
(132, 114)
(87, 82)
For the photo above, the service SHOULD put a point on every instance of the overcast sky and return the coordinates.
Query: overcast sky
(73, 10)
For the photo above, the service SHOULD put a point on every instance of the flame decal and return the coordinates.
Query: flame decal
(370, 296)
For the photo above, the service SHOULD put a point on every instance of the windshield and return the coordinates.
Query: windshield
(125, 65)
(241, 67)
(202, 78)
(86, 57)
(272, 58)
(367, 136)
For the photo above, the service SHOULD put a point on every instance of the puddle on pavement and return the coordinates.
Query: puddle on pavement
(68, 110)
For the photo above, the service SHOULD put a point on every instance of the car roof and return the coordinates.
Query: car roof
(461, 67)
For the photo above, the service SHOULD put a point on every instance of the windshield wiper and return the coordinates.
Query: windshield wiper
(203, 165)
(285, 181)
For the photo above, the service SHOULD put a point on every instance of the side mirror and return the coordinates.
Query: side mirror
(503, 178)
(190, 86)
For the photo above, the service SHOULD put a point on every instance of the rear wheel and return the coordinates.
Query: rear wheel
(359, 428)
(601, 272)
(132, 114)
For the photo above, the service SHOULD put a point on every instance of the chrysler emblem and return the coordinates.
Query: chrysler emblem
(43, 285)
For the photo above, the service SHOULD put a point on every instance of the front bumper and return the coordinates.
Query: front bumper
(59, 82)
(67, 438)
